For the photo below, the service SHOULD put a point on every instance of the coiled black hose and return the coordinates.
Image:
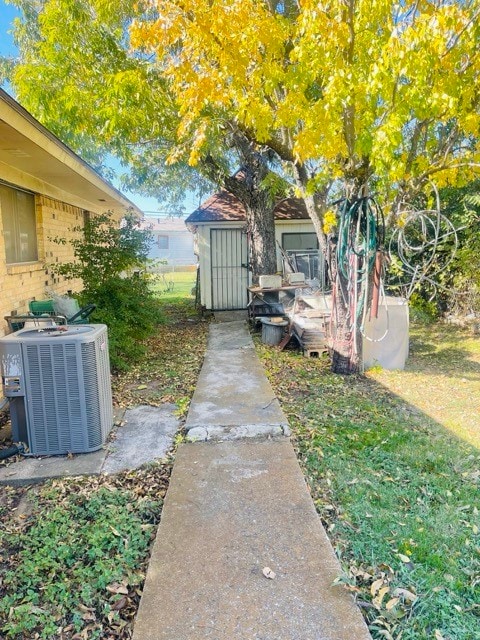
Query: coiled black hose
(11, 451)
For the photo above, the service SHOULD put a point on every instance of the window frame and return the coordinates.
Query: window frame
(300, 233)
(163, 237)
(17, 227)
(310, 256)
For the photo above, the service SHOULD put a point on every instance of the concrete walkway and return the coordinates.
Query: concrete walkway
(233, 398)
(240, 552)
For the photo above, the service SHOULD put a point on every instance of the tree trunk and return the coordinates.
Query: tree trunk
(345, 339)
(261, 234)
(259, 202)
(259, 205)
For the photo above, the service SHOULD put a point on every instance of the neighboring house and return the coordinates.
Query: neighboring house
(45, 191)
(173, 242)
(221, 243)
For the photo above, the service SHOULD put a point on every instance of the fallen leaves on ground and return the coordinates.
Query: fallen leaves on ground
(396, 493)
(168, 373)
(170, 369)
(111, 609)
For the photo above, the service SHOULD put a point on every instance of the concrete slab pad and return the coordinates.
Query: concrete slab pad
(147, 435)
(230, 316)
(223, 434)
(34, 470)
(232, 510)
(230, 336)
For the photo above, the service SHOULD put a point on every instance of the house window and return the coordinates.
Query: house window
(19, 225)
(302, 249)
(162, 242)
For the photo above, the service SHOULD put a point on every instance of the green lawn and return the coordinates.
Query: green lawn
(442, 378)
(397, 491)
(174, 285)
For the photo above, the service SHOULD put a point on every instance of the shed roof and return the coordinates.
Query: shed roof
(225, 207)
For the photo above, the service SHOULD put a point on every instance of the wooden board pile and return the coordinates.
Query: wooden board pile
(309, 323)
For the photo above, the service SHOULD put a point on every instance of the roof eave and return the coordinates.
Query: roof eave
(21, 122)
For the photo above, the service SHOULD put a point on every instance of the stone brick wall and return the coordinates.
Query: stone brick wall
(21, 283)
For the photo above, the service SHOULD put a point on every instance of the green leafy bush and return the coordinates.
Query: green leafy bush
(462, 278)
(422, 310)
(131, 312)
(109, 258)
(453, 282)
(466, 269)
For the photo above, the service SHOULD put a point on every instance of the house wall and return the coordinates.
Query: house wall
(203, 249)
(180, 248)
(20, 283)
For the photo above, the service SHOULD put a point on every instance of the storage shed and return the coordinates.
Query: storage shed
(222, 245)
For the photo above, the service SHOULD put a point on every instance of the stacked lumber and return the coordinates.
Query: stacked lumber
(309, 323)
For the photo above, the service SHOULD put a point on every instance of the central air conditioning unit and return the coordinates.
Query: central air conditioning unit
(58, 384)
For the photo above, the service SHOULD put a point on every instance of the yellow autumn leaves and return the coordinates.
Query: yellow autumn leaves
(337, 81)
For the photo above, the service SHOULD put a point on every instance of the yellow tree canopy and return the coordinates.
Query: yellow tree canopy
(364, 88)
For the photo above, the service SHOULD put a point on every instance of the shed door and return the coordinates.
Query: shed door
(229, 269)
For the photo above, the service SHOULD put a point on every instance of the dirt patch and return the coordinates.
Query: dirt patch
(25, 506)
(10, 499)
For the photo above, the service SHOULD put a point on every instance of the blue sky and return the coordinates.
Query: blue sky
(7, 47)
(7, 14)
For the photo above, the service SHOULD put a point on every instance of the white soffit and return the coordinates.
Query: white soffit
(32, 151)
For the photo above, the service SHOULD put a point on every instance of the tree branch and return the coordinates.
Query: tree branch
(412, 154)
(349, 112)
(456, 40)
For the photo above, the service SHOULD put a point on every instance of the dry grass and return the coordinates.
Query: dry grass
(441, 378)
